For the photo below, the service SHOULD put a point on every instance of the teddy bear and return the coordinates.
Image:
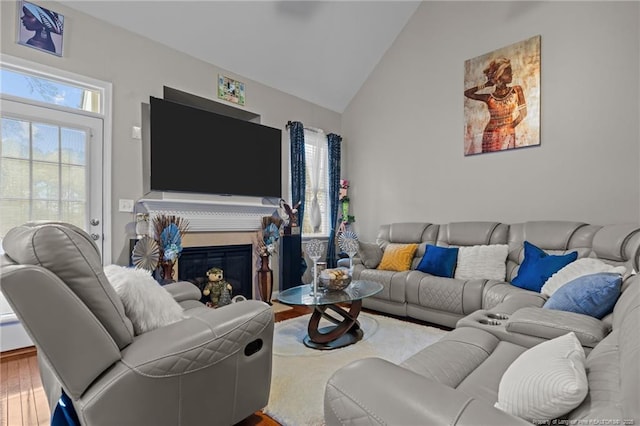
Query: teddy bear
(215, 288)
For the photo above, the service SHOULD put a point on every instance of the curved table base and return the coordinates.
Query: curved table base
(346, 330)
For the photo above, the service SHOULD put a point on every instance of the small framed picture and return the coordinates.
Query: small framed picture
(40, 28)
(230, 90)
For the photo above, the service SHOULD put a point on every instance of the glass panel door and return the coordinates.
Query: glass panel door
(50, 167)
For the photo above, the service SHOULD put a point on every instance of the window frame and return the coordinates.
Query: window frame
(325, 227)
(20, 66)
(35, 69)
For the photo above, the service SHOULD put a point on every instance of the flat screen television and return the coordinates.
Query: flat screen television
(193, 150)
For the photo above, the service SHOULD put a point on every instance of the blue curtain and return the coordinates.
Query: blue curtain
(298, 169)
(334, 192)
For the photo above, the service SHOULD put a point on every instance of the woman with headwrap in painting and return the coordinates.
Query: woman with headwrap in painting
(43, 22)
(502, 103)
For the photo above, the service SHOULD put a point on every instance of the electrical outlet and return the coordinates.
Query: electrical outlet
(125, 205)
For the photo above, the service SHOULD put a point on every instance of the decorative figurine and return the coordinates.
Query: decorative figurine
(291, 219)
(216, 287)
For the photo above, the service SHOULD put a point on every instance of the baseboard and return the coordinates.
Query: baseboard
(15, 354)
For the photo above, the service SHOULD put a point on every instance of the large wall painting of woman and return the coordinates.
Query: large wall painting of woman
(502, 99)
(40, 28)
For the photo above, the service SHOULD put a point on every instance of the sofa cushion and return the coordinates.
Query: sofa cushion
(439, 261)
(407, 232)
(393, 284)
(484, 381)
(370, 254)
(538, 266)
(146, 303)
(472, 233)
(397, 257)
(579, 268)
(434, 292)
(455, 356)
(482, 261)
(545, 382)
(594, 295)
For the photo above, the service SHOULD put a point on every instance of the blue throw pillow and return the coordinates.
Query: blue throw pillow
(593, 295)
(439, 261)
(538, 266)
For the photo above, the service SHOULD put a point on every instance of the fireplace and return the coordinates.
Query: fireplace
(218, 225)
(234, 260)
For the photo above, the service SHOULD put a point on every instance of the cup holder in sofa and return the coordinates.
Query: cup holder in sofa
(497, 316)
(489, 321)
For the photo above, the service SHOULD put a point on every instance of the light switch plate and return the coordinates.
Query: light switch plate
(125, 205)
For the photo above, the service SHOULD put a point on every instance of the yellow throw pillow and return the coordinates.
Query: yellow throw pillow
(397, 257)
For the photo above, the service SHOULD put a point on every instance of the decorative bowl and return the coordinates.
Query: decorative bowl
(332, 281)
(335, 285)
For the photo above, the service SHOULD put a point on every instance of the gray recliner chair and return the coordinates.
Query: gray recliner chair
(212, 367)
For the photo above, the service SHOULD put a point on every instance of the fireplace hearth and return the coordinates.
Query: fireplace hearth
(234, 260)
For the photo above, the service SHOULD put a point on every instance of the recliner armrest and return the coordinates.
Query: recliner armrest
(507, 298)
(375, 391)
(549, 324)
(203, 339)
(183, 290)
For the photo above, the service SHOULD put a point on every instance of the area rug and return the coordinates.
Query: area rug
(300, 373)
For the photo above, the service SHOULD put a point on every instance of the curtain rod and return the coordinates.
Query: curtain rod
(311, 129)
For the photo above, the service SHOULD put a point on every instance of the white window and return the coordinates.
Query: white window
(316, 212)
(30, 86)
(43, 168)
(53, 161)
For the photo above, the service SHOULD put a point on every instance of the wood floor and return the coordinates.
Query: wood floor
(22, 398)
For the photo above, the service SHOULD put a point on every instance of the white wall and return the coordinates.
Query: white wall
(139, 68)
(404, 129)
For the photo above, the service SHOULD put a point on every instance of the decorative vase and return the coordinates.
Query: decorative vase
(314, 249)
(166, 272)
(265, 279)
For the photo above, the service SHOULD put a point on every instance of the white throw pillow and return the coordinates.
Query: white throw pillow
(146, 303)
(486, 261)
(576, 269)
(546, 381)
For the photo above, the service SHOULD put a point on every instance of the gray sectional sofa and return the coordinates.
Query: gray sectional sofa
(444, 301)
(456, 381)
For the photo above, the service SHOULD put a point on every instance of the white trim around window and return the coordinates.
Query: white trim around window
(20, 64)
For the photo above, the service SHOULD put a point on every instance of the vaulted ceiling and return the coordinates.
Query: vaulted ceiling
(320, 51)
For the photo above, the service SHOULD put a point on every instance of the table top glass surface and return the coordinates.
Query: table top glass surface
(301, 295)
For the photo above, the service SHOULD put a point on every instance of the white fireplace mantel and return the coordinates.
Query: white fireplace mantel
(210, 216)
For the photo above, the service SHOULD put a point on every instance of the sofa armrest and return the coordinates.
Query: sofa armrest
(509, 297)
(375, 391)
(183, 290)
(549, 324)
(205, 338)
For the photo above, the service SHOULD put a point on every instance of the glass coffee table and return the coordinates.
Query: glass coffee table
(346, 329)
